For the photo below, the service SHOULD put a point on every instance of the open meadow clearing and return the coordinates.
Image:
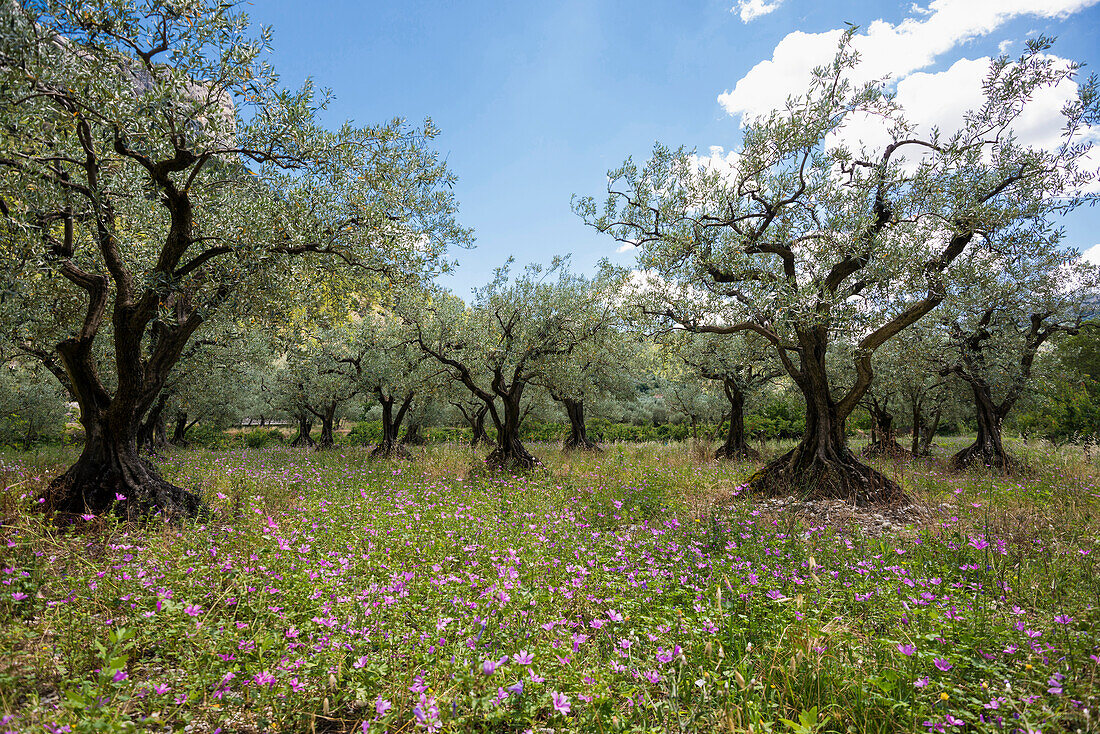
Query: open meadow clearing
(769, 401)
(638, 589)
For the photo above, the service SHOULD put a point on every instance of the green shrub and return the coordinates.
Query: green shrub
(209, 436)
(364, 433)
(263, 437)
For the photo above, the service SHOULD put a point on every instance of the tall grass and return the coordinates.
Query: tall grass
(637, 589)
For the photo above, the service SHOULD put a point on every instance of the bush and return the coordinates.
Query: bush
(208, 436)
(263, 437)
(364, 433)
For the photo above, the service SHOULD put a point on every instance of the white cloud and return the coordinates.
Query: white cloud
(753, 9)
(626, 246)
(886, 49)
(719, 160)
(1092, 254)
(941, 99)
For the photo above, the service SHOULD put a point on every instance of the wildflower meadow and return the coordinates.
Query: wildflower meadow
(637, 589)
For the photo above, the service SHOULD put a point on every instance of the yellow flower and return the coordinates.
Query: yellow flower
(944, 696)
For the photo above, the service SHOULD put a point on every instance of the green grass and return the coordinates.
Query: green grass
(327, 593)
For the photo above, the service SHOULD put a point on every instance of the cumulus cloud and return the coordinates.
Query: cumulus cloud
(1092, 254)
(886, 49)
(753, 9)
(720, 160)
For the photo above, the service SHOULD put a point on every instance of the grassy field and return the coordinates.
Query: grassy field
(639, 589)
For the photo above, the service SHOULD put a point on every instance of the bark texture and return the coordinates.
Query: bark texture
(389, 447)
(735, 447)
(109, 475)
(509, 452)
(328, 427)
(988, 448)
(578, 439)
(822, 466)
(305, 426)
(413, 436)
(884, 438)
(153, 435)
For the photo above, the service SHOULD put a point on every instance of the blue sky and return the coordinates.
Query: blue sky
(536, 101)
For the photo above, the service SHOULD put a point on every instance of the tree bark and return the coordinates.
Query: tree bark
(735, 446)
(328, 426)
(917, 419)
(477, 427)
(305, 425)
(578, 433)
(884, 439)
(389, 447)
(987, 448)
(153, 435)
(179, 432)
(822, 466)
(110, 475)
(928, 432)
(413, 436)
(510, 452)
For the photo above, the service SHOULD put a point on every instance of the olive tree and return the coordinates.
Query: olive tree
(599, 368)
(150, 161)
(804, 239)
(516, 331)
(1019, 297)
(741, 367)
(396, 372)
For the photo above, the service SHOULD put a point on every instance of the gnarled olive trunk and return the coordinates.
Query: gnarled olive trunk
(884, 439)
(822, 466)
(928, 433)
(389, 447)
(578, 433)
(923, 433)
(477, 427)
(153, 435)
(110, 475)
(413, 436)
(179, 431)
(987, 448)
(328, 427)
(510, 452)
(305, 425)
(735, 446)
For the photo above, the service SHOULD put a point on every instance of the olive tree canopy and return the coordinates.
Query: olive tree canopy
(803, 237)
(152, 170)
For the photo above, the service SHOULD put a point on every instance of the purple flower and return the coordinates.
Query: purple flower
(614, 616)
(119, 676)
(942, 664)
(427, 714)
(18, 596)
(920, 682)
(516, 688)
(489, 667)
(120, 497)
(360, 662)
(561, 703)
(381, 706)
(1063, 619)
(523, 658)
(906, 649)
(193, 610)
